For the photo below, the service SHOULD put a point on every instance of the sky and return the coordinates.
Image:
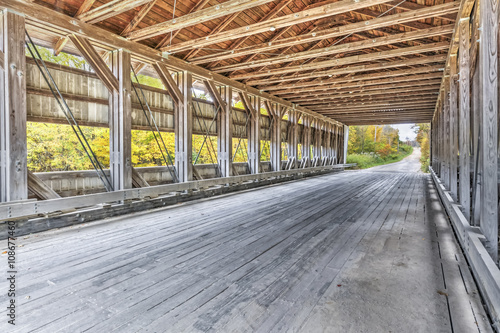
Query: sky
(405, 130)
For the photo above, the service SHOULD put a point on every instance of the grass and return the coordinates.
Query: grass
(368, 160)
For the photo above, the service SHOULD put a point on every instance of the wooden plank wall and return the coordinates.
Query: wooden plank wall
(465, 125)
(88, 97)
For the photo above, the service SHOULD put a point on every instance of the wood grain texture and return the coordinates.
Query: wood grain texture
(13, 142)
(285, 21)
(120, 123)
(488, 57)
(464, 117)
(453, 127)
(279, 270)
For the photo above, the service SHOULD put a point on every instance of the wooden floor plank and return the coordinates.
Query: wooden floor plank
(264, 260)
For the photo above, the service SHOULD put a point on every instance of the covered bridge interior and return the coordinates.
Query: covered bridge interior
(231, 246)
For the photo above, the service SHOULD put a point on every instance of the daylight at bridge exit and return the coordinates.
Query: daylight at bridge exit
(325, 166)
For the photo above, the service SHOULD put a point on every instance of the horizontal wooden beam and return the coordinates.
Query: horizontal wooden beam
(368, 57)
(386, 93)
(422, 95)
(110, 9)
(45, 19)
(27, 208)
(240, 41)
(389, 117)
(405, 81)
(307, 15)
(390, 121)
(378, 103)
(386, 114)
(341, 48)
(352, 69)
(361, 79)
(418, 97)
(314, 36)
(379, 111)
(347, 90)
(200, 16)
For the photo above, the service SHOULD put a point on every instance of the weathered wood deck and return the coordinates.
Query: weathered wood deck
(349, 252)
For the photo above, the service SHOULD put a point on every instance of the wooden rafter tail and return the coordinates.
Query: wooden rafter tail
(110, 9)
(169, 83)
(214, 93)
(93, 58)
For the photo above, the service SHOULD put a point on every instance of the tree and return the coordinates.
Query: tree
(423, 134)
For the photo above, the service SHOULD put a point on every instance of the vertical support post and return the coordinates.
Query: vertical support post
(183, 119)
(345, 141)
(293, 118)
(120, 123)
(275, 112)
(440, 139)
(317, 141)
(327, 155)
(306, 141)
(13, 143)
(253, 131)
(446, 127)
(476, 117)
(453, 128)
(464, 142)
(335, 150)
(225, 133)
(488, 57)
